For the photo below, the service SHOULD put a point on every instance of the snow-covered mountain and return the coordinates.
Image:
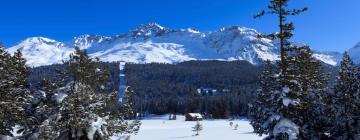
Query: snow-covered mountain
(154, 43)
(331, 58)
(355, 53)
(42, 51)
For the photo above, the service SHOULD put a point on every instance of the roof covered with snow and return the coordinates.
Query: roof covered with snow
(195, 115)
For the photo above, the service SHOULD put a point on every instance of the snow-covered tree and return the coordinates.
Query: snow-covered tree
(286, 98)
(262, 108)
(297, 99)
(345, 102)
(197, 128)
(119, 113)
(84, 109)
(47, 107)
(84, 101)
(14, 92)
(313, 82)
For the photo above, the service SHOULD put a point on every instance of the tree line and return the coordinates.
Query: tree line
(174, 88)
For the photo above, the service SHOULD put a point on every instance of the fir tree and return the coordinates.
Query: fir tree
(289, 71)
(83, 103)
(344, 105)
(278, 7)
(47, 109)
(14, 92)
(86, 70)
(301, 82)
(119, 113)
(313, 82)
(45, 102)
(84, 84)
(261, 110)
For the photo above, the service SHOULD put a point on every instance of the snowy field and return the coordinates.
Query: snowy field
(160, 128)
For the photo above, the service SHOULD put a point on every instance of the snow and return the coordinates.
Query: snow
(286, 89)
(14, 133)
(144, 52)
(287, 101)
(355, 53)
(60, 97)
(95, 126)
(197, 115)
(3, 137)
(40, 51)
(191, 30)
(15, 130)
(271, 119)
(160, 128)
(286, 126)
(154, 43)
(328, 59)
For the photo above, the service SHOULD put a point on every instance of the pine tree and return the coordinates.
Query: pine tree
(197, 128)
(45, 131)
(85, 85)
(289, 72)
(86, 70)
(83, 103)
(301, 98)
(46, 110)
(344, 104)
(119, 113)
(278, 7)
(301, 83)
(313, 82)
(261, 110)
(14, 92)
(45, 103)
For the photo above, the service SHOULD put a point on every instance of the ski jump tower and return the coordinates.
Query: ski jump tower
(122, 80)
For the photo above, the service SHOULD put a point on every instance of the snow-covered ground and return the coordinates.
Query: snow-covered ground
(160, 128)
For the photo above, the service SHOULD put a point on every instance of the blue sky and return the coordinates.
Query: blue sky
(330, 25)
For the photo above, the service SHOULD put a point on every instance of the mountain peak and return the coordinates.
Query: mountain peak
(190, 30)
(149, 29)
(237, 28)
(40, 51)
(151, 25)
(39, 40)
(86, 40)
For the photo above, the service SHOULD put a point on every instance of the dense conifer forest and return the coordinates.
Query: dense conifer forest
(209, 87)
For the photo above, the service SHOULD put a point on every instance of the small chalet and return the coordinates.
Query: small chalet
(193, 117)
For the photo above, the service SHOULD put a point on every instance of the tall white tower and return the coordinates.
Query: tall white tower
(122, 80)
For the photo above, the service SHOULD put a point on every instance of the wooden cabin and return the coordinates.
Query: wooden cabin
(193, 117)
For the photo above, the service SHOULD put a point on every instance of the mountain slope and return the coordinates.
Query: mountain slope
(40, 51)
(154, 43)
(355, 53)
